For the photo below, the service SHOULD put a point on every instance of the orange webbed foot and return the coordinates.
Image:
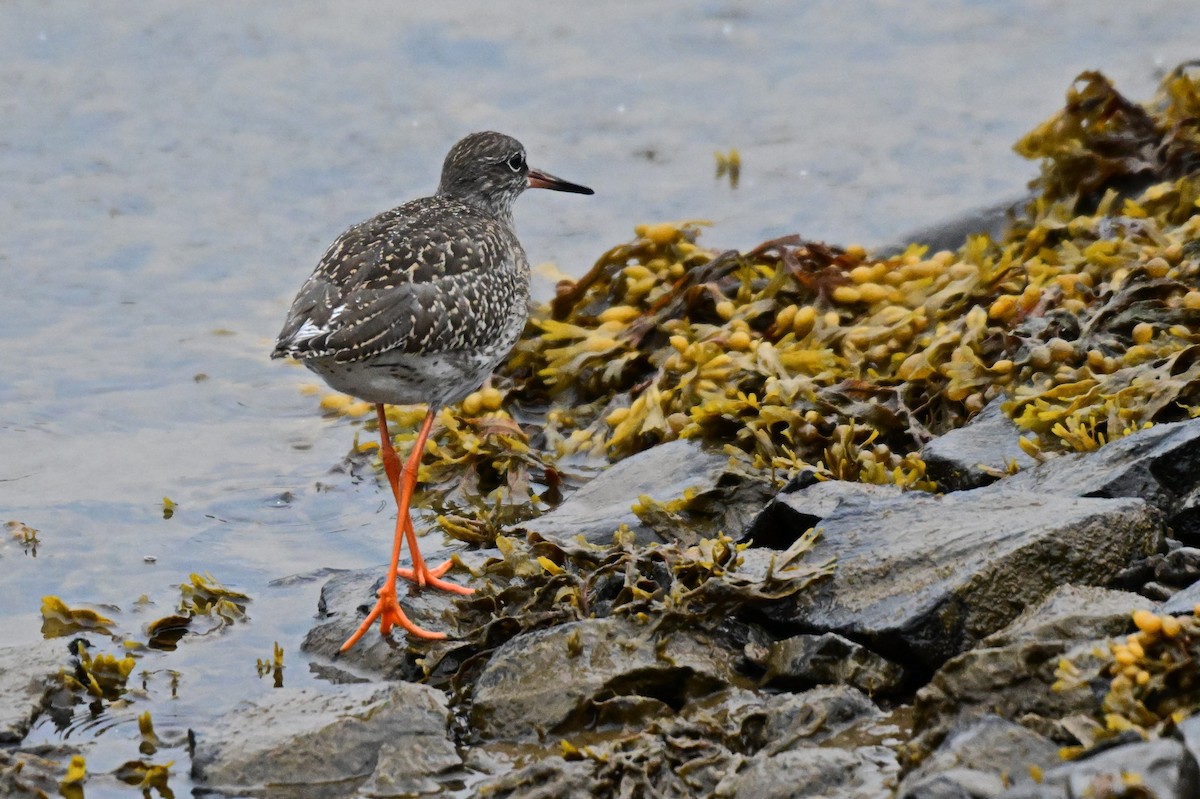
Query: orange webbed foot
(387, 609)
(425, 576)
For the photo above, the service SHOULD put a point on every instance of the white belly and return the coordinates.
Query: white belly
(397, 378)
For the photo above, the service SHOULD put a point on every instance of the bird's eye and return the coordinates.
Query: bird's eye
(516, 162)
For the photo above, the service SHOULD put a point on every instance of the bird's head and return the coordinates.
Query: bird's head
(488, 170)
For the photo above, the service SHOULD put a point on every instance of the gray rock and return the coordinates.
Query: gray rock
(956, 783)
(724, 502)
(978, 760)
(923, 578)
(868, 772)
(1012, 681)
(1189, 732)
(536, 681)
(777, 722)
(1163, 767)
(679, 755)
(326, 738)
(1073, 613)
(27, 674)
(977, 453)
(1160, 465)
(1181, 602)
(774, 722)
(792, 512)
(34, 773)
(993, 220)
(347, 597)
(1185, 519)
(405, 768)
(805, 660)
(547, 778)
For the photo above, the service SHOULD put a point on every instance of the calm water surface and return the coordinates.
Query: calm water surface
(172, 171)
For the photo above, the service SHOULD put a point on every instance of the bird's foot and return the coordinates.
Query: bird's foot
(387, 609)
(422, 575)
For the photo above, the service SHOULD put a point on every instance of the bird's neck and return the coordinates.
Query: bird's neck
(497, 206)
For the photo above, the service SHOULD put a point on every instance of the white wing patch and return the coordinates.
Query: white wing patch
(308, 331)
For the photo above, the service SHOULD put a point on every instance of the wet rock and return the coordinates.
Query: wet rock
(978, 760)
(27, 674)
(325, 740)
(1179, 567)
(1189, 732)
(1184, 601)
(793, 511)
(688, 753)
(407, 767)
(33, 773)
(1012, 681)
(868, 772)
(1073, 613)
(1163, 770)
(922, 578)
(347, 597)
(993, 220)
(1185, 518)
(537, 681)
(1161, 465)
(724, 501)
(754, 721)
(806, 660)
(978, 453)
(548, 778)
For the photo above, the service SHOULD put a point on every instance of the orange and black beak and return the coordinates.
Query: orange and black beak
(542, 180)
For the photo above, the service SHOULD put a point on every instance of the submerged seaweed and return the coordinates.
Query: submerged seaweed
(59, 620)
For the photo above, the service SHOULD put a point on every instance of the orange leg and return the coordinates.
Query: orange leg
(387, 608)
(420, 573)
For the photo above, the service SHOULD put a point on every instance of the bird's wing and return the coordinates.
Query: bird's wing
(395, 282)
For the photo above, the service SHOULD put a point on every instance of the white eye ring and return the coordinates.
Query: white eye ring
(516, 162)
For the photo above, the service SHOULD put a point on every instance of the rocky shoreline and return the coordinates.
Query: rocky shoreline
(923, 665)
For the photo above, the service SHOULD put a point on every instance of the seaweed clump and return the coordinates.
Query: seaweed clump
(1086, 317)
(541, 583)
(1151, 680)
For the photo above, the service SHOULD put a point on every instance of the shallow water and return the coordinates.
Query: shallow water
(173, 171)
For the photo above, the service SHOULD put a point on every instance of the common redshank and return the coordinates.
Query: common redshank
(418, 305)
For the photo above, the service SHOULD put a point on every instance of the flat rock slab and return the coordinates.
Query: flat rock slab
(1074, 613)
(725, 502)
(306, 738)
(537, 681)
(976, 454)
(868, 772)
(1184, 601)
(1189, 732)
(792, 512)
(1164, 770)
(688, 751)
(922, 578)
(347, 597)
(807, 660)
(1013, 681)
(980, 758)
(1161, 465)
(27, 673)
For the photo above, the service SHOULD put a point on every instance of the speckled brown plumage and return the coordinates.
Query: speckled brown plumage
(420, 303)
